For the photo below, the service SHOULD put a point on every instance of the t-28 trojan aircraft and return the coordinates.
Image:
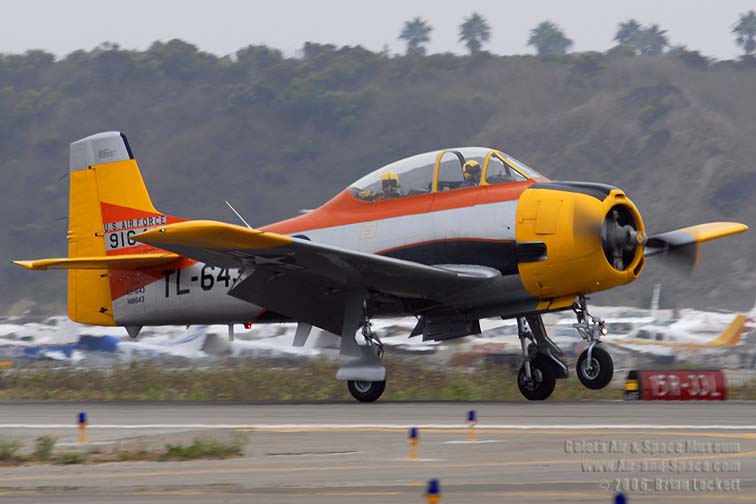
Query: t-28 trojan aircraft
(450, 236)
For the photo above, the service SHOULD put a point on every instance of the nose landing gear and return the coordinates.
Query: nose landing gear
(595, 366)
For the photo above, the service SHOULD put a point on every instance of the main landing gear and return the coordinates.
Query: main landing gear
(363, 368)
(365, 390)
(542, 364)
(542, 358)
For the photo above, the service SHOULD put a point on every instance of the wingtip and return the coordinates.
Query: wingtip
(30, 265)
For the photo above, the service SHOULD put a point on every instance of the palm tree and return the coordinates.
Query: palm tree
(548, 38)
(474, 32)
(745, 29)
(416, 33)
(653, 41)
(628, 33)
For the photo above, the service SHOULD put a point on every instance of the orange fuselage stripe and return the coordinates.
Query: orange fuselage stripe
(345, 209)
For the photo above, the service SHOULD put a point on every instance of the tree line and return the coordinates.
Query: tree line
(548, 38)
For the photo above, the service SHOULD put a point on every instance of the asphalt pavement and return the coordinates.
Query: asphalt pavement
(347, 452)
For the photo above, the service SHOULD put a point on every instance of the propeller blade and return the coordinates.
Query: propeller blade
(681, 247)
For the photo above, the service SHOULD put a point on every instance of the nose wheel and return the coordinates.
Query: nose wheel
(595, 368)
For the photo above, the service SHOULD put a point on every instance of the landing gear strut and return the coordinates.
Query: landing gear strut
(594, 367)
(542, 365)
(367, 390)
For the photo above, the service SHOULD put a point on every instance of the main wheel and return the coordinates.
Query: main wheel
(598, 373)
(543, 382)
(366, 391)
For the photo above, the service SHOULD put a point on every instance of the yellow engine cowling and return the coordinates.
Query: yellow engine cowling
(568, 218)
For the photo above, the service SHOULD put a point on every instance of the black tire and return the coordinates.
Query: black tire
(602, 368)
(544, 380)
(366, 391)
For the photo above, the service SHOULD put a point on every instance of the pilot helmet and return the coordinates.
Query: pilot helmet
(390, 180)
(471, 170)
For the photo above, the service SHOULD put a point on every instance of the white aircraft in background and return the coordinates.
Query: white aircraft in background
(686, 336)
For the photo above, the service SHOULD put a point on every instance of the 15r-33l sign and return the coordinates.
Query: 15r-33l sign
(677, 385)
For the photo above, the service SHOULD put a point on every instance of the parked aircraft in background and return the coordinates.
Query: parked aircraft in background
(449, 237)
(677, 336)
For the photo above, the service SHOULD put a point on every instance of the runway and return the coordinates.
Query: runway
(346, 452)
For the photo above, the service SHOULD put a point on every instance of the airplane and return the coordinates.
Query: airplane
(668, 340)
(450, 237)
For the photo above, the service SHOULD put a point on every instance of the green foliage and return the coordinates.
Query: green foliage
(745, 31)
(548, 39)
(653, 41)
(628, 33)
(203, 448)
(649, 41)
(589, 64)
(43, 447)
(474, 32)
(8, 449)
(693, 59)
(416, 33)
(69, 459)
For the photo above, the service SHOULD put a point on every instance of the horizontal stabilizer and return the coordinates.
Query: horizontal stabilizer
(126, 261)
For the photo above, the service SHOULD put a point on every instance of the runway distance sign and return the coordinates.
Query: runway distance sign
(677, 385)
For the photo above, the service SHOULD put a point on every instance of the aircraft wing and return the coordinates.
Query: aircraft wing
(308, 281)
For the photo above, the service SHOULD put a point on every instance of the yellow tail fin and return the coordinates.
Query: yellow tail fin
(731, 335)
(108, 204)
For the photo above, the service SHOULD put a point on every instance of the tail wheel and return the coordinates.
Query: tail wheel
(597, 373)
(366, 391)
(543, 380)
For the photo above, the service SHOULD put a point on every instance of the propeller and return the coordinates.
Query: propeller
(620, 238)
(681, 247)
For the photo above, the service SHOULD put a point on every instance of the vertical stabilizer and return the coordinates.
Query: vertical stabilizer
(108, 203)
(732, 334)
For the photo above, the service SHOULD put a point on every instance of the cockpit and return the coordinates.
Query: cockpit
(444, 170)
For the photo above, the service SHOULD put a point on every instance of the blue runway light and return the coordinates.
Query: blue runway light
(82, 427)
(414, 438)
(620, 499)
(472, 421)
(433, 494)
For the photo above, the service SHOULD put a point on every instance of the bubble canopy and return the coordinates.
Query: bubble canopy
(442, 170)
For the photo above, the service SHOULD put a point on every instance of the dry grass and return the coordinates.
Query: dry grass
(410, 379)
(200, 448)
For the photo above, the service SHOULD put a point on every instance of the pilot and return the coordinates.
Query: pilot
(389, 186)
(471, 172)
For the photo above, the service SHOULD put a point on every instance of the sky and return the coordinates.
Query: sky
(224, 26)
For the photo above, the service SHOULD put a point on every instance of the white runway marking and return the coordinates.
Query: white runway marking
(484, 441)
(356, 426)
(88, 443)
(406, 459)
